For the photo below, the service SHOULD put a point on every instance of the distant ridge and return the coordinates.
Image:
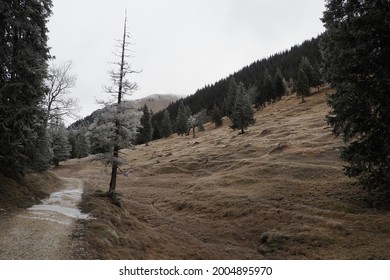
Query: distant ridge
(155, 103)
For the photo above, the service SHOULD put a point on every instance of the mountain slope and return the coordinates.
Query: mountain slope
(275, 192)
(155, 102)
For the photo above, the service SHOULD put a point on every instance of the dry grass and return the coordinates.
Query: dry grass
(276, 192)
(17, 191)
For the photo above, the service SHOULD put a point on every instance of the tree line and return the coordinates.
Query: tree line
(266, 79)
(352, 55)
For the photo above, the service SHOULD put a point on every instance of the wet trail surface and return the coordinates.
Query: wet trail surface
(44, 230)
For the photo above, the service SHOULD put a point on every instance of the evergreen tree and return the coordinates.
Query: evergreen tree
(216, 116)
(59, 142)
(182, 116)
(242, 115)
(268, 88)
(79, 141)
(145, 131)
(156, 131)
(306, 66)
(166, 125)
(23, 67)
(356, 52)
(302, 85)
(231, 96)
(279, 85)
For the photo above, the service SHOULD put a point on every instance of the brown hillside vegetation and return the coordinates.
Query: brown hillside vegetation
(275, 192)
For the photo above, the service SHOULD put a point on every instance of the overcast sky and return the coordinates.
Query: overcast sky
(180, 45)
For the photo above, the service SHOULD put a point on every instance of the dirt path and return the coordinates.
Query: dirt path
(43, 231)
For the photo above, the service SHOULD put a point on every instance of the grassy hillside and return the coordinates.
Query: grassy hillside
(276, 192)
(17, 191)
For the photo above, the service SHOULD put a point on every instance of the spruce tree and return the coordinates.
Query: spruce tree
(242, 115)
(279, 85)
(166, 125)
(181, 123)
(156, 131)
(145, 130)
(23, 68)
(306, 66)
(302, 85)
(59, 137)
(230, 97)
(356, 52)
(268, 89)
(216, 116)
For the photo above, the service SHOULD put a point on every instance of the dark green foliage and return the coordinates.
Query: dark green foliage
(156, 131)
(356, 51)
(268, 90)
(181, 123)
(242, 115)
(59, 142)
(23, 68)
(230, 97)
(166, 125)
(310, 73)
(216, 116)
(302, 85)
(145, 130)
(279, 86)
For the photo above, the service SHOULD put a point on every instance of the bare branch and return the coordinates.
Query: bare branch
(59, 82)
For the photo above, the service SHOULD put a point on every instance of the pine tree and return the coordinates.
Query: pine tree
(156, 131)
(23, 67)
(268, 88)
(302, 85)
(231, 96)
(80, 143)
(145, 130)
(306, 66)
(356, 52)
(279, 85)
(59, 137)
(242, 115)
(166, 125)
(216, 116)
(182, 116)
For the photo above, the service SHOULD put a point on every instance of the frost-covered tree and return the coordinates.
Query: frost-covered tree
(80, 143)
(242, 115)
(197, 120)
(120, 123)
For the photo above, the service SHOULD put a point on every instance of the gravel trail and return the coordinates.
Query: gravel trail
(43, 232)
